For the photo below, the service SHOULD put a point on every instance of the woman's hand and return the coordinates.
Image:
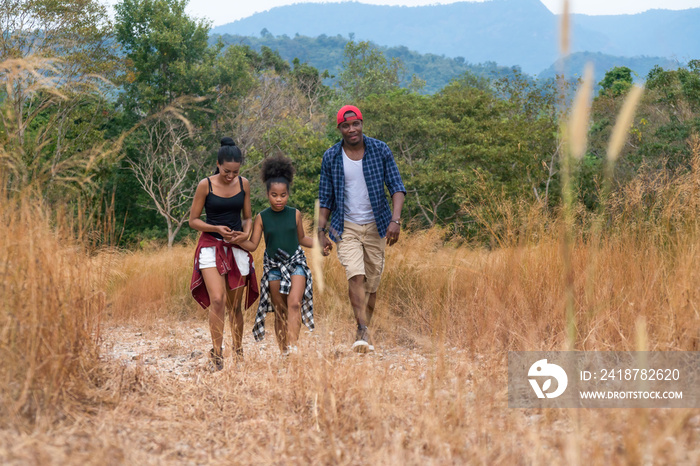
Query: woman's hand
(237, 237)
(225, 232)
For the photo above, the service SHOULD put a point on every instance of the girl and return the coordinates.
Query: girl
(222, 269)
(286, 279)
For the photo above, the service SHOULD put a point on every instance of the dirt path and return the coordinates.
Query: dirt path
(180, 349)
(158, 403)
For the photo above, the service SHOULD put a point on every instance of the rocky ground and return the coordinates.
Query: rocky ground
(180, 349)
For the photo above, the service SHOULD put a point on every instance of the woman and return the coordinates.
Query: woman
(222, 269)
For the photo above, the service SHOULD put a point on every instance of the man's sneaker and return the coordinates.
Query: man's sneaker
(216, 361)
(361, 344)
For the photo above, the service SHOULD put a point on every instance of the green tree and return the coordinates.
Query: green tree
(421, 140)
(168, 54)
(235, 72)
(617, 81)
(474, 141)
(76, 31)
(53, 55)
(667, 117)
(366, 71)
(531, 107)
(170, 65)
(310, 83)
(670, 112)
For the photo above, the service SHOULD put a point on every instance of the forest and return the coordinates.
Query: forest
(126, 117)
(556, 214)
(326, 53)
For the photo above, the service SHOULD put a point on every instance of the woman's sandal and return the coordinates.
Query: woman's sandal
(216, 360)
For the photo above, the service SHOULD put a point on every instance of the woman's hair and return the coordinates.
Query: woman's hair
(228, 152)
(277, 169)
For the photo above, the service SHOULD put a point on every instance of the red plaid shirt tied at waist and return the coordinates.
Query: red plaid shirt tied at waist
(225, 264)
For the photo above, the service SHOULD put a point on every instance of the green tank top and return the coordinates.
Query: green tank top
(280, 230)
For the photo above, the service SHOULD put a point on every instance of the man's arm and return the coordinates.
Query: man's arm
(397, 204)
(323, 241)
(326, 198)
(394, 228)
(392, 179)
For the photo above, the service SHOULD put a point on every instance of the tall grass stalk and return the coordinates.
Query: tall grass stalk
(51, 300)
(573, 151)
(617, 141)
(316, 252)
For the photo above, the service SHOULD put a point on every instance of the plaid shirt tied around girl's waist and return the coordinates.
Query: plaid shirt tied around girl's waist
(286, 268)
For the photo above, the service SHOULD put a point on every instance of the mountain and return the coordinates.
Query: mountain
(664, 33)
(574, 65)
(509, 32)
(327, 53)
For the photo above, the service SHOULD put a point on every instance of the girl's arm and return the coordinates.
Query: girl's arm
(252, 243)
(304, 240)
(196, 222)
(246, 213)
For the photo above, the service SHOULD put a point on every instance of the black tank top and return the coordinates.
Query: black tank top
(224, 210)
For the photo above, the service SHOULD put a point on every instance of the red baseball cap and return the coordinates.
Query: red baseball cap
(349, 108)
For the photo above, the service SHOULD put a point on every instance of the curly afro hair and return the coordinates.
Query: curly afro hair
(277, 169)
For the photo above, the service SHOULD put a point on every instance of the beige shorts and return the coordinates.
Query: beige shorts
(361, 252)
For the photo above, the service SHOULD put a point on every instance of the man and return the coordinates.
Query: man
(353, 175)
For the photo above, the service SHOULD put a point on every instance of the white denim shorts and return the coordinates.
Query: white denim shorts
(207, 259)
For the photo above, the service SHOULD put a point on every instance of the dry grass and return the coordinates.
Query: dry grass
(331, 407)
(50, 302)
(150, 283)
(435, 391)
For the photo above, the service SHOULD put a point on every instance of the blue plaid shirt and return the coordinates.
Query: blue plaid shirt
(379, 168)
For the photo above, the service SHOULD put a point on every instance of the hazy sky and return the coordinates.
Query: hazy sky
(226, 11)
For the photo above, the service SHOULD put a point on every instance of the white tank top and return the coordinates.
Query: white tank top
(357, 208)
